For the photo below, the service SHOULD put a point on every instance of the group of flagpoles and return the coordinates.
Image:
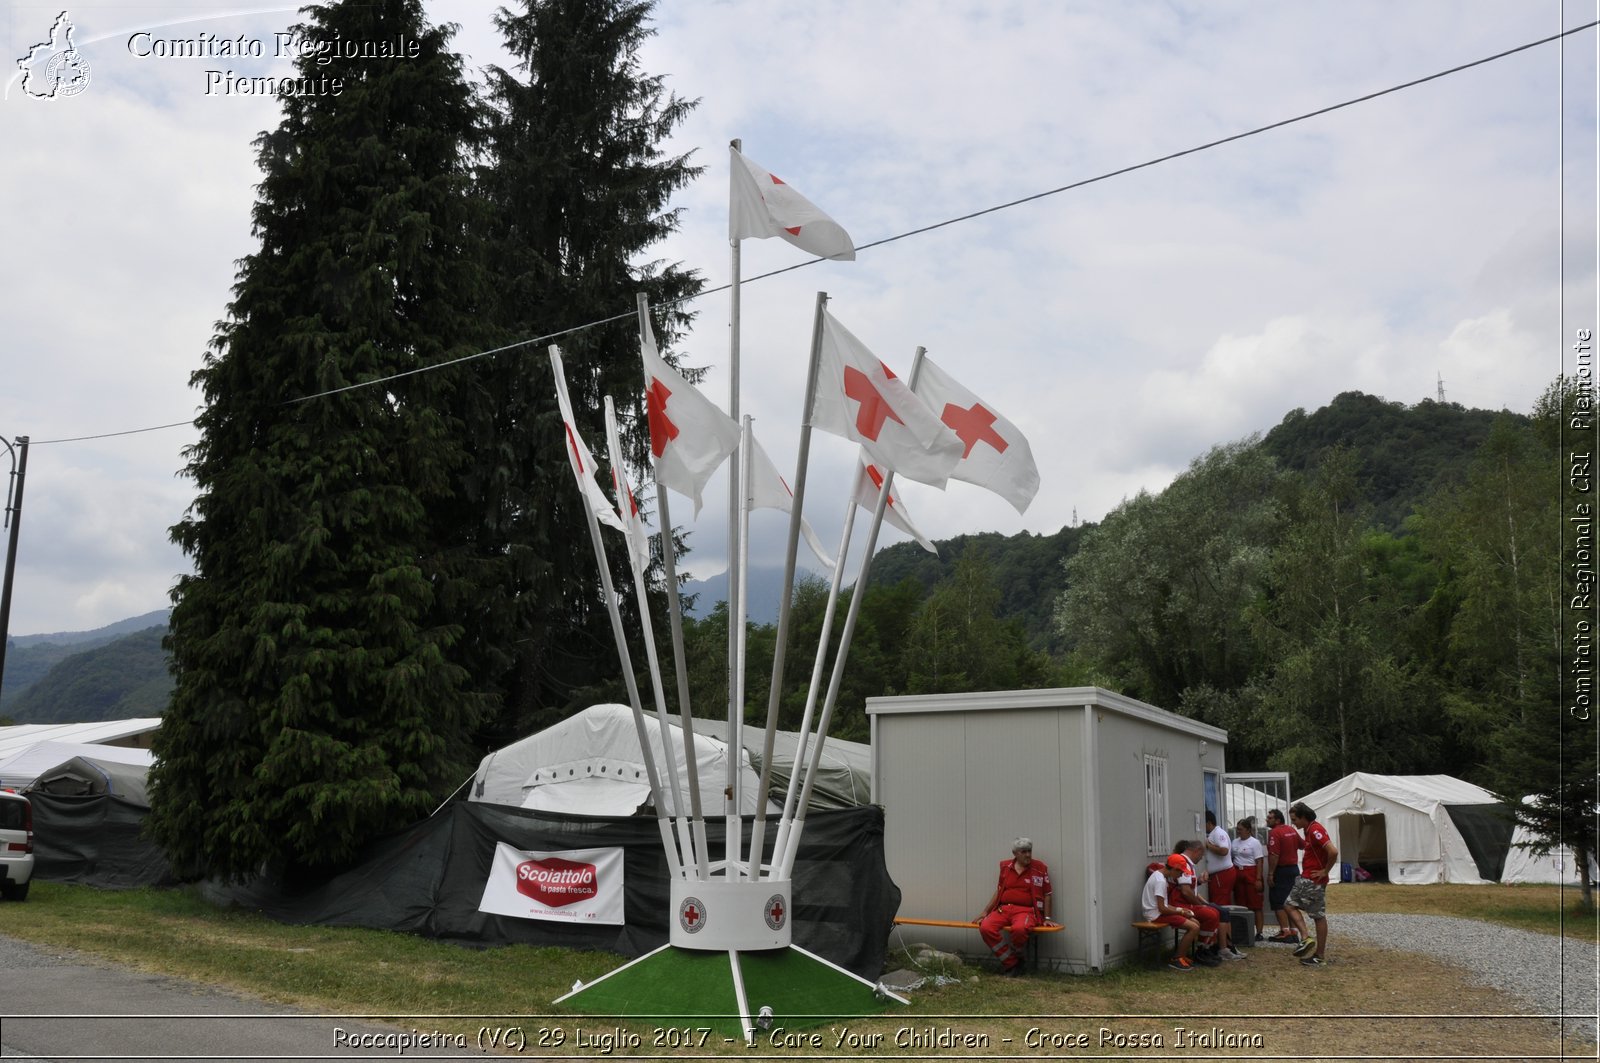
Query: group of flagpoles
(674, 862)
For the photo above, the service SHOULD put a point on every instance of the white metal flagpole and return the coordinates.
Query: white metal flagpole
(669, 565)
(856, 598)
(736, 545)
(674, 862)
(624, 493)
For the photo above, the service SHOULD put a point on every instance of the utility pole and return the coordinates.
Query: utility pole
(13, 518)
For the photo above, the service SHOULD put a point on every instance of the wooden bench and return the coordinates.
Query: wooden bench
(1150, 935)
(967, 924)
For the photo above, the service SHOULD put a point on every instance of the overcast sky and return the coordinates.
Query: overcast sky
(1126, 326)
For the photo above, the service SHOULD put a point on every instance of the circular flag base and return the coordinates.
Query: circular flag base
(718, 914)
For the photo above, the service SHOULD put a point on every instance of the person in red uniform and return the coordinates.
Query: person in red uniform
(1021, 902)
(1215, 931)
(1283, 867)
(1309, 896)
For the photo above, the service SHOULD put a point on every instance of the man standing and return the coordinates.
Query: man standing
(1219, 862)
(1283, 867)
(1021, 902)
(1309, 896)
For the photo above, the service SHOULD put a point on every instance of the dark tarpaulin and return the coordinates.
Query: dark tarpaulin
(1487, 830)
(429, 880)
(95, 841)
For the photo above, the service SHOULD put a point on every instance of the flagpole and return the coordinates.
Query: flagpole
(856, 598)
(736, 546)
(669, 565)
(735, 843)
(813, 688)
(625, 497)
(674, 862)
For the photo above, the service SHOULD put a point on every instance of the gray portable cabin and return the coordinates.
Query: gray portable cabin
(1102, 783)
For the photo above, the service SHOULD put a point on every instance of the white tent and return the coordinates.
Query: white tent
(1556, 866)
(1418, 826)
(591, 764)
(23, 767)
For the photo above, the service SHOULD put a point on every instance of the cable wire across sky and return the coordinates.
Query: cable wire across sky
(1108, 175)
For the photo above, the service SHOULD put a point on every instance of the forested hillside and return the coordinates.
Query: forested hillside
(30, 657)
(126, 677)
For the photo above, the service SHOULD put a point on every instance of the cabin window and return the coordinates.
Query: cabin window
(1155, 804)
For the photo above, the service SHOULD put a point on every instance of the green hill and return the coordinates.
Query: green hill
(122, 678)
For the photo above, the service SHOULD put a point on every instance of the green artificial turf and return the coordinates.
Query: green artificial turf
(695, 989)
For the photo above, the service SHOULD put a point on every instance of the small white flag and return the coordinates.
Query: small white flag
(769, 490)
(760, 205)
(578, 456)
(997, 455)
(627, 505)
(869, 481)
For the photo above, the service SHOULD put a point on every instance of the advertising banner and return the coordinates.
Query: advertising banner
(578, 886)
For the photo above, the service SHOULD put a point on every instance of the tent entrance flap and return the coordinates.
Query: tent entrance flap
(1487, 830)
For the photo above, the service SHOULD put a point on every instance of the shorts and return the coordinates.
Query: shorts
(1282, 883)
(1310, 897)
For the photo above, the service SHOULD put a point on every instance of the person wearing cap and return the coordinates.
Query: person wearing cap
(1156, 904)
(1021, 902)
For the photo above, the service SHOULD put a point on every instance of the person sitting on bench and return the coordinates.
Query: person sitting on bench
(1156, 907)
(1021, 902)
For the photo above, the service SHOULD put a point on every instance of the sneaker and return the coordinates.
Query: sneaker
(1260, 937)
(1305, 947)
(1313, 961)
(1285, 939)
(1235, 954)
(1206, 959)
(1180, 963)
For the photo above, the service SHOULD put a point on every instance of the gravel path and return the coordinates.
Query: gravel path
(1543, 972)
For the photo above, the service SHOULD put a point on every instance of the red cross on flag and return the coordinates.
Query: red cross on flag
(578, 456)
(996, 454)
(761, 205)
(689, 437)
(769, 490)
(869, 482)
(859, 398)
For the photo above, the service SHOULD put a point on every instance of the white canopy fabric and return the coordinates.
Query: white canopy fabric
(1557, 866)
(1403, 820)
(591, 764)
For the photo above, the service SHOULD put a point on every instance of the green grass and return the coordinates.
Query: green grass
(381, 974)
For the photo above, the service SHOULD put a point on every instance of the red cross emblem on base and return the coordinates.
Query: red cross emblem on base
(692, 914)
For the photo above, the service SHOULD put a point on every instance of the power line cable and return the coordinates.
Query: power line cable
(1108, 175)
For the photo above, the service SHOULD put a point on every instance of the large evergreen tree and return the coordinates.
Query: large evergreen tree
(579, 190)
(317, 701)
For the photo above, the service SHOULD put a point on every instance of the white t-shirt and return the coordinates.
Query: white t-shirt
(1246, 851)
(1155, 887)
(1218, 861)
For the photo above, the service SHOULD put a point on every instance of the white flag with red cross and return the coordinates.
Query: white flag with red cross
(769, 490)
(859, 398)
(761, 205)
(996, 454)
(689, 437)
(578, 456)
(869, 482)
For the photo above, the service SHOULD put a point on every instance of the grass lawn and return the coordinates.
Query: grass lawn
(1367, 1003)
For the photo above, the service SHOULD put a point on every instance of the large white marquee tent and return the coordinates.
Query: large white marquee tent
(1418, 826)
